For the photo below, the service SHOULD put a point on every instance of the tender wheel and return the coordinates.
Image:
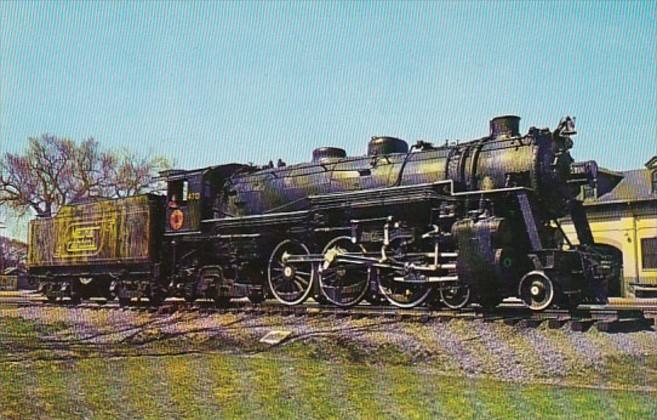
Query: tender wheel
(343, 284)
(455, 297)
(75, 300)
(51, 298)
(124, 301)
(536, 290)
(290, 283)
(403, 294)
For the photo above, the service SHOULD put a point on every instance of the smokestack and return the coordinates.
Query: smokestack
(505, 125)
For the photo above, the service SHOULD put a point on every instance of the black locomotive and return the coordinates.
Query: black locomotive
(457, 223)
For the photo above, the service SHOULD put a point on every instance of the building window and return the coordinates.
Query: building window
(654, 182)
(649, 253)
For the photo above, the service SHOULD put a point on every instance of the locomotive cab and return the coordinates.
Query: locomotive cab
(184, 201)
(191, 196)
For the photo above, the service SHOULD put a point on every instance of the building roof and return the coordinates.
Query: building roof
(652, 163)
(636, 185)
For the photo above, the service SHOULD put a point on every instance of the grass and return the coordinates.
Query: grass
(237, 387)
(309, 380)
(16, 329)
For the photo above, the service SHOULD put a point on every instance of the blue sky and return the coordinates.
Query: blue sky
(208, 83)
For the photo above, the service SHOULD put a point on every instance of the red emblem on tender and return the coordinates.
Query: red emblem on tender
(176, 219)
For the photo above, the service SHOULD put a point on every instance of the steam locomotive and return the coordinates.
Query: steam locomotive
(450, 224)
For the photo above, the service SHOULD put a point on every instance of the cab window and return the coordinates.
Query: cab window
(178, 191)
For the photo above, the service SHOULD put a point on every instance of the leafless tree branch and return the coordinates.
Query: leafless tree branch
(54, 172)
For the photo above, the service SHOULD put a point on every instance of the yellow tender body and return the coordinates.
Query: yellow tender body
(104, 232)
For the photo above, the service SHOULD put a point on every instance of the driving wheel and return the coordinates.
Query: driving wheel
(290, 282)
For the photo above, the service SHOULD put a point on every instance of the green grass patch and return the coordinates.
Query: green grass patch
(233, 386)
(190, 383)
(105, 387)
(230, 387)
(17, 384)
(149, 388)
(314, 382)
(15, 329)
(639, 371)
(58, 392)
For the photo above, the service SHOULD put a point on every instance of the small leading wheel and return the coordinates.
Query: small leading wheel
(456, 296)
(343, 284)
(290, 282)
(403, 294)
(536, 290)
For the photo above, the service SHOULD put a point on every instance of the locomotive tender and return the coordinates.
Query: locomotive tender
(452, 224)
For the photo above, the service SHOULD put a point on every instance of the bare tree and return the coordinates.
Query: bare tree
(55, 171)
(133, 174)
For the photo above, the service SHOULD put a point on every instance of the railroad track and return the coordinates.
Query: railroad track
(617, 316)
